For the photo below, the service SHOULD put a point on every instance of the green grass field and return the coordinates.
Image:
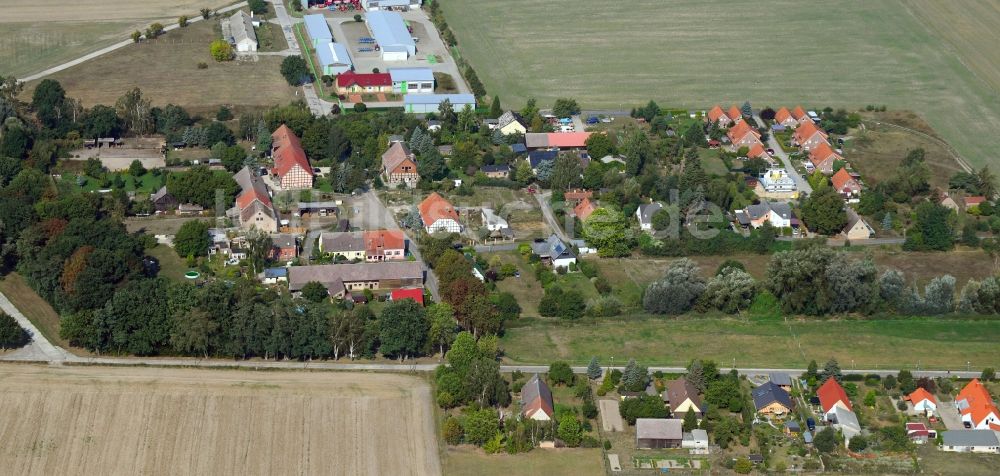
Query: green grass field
(932, 343)
(691, 53)
(39, 312)
(467, 460)
(171, 266)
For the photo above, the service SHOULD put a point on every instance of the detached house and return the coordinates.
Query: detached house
(583, 209)
(778, 214)
(399, 166)
(682, 396)
(439, 215)
(800, 115)
(511, 123)
(770, 399)
(717, 115)
(644, 213)
(857, 228)
(976, 406)
(290, 162)
(742, 135)
(554, 252)
(970, 441)
(785, 118)
(923, 401)
(844, 183)
(384, 245)
(536, 400)
(758, 151)
(832, 395)
(822, 158)
(735, 114)
(807, 136)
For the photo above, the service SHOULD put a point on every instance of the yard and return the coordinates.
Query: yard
(167, 71)
(467, 460)
(171, 266)
(905, 54)
(39, 312)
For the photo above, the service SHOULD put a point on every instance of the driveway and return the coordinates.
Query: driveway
(800, 183)
(370, 211)
(550, 217)
(611, 418)
(316, 105)
(39, 349)
(950, 416)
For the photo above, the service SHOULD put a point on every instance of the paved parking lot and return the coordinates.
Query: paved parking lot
(950, 416)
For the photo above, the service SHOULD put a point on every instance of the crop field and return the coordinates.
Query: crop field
(38, 35)
(922, 55)
(167, 71)
(101, 420)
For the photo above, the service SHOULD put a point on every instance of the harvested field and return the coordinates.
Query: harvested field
(922, 55)
(100, 420)
(167, 71)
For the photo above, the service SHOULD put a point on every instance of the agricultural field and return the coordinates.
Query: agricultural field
(167, 71)
(37, 35)
(918, 55)
(99, 420)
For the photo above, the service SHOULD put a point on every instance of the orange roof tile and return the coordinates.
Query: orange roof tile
(377, 241)
(435, 208)
(584, 209)
(568, 139)
(735, 114)
(830, 393)
(716, 113)
(782, 115)
(820, 153)
(806, 131)
(248, 196)
(740, 130)
(757, 151)
(921, 394)
(841, 179)
(798, 113)
(287, 151)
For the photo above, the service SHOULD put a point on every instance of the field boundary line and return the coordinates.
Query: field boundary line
(947, 147)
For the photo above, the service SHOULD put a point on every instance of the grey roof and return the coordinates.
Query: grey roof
(247, 179)
(762, 209)
(647, 210)
(699, 435)
(457, 100)
(162, 192)
(536, 139)
(348, 241)
(552, 248)
(509, 117)
(807, 436)
(781, 378)
(769, 393)
(793, 425)
(390, 32)
(276, 272)
(985, 438)
(659, 429)
(317, 27)
(298, 276)
(283, 240)
(534, 389)
(411, 74)
(495, 168)
(847, 421)
(247, 213)
(853, 218)
(241, 27)
(782, 209)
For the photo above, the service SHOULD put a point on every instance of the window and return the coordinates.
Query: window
(413, 86)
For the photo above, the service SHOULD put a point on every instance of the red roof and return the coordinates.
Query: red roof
(568, 139)
(740, 130)
(806, 131)
(921, 394)
(820, 153)
(843, 179)
(377, 241)
(287, 152)
(577, 194)
(972, 201)
(798, 113)
(830, 393)
(978, 402)
(415, 294)
(248, 196)
(757, 151)
(782, 115)
(435, 208)
(350, 78)
(584, 209)
(735, 113)
(716, 114)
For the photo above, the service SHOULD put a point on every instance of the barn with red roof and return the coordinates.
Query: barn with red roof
(290, 163)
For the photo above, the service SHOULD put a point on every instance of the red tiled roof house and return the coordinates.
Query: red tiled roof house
(822, 158)
(584, 209)
(536, 400)
(383, 245)
(923, 401)
(845, 183)
(742, 135)
(351, 82)
(832, 395)
(977, 408)
(399, 166)
(808, 136)
(800, 115)
(290, 162)
(716, 114)
(785, 118)
(439, 215)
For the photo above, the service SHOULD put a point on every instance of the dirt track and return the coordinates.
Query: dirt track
(104, 420)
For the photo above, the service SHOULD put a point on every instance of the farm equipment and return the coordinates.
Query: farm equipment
(365, 50)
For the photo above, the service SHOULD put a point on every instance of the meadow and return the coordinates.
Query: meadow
(905, 54)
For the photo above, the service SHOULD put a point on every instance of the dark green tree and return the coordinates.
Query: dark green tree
(560, 373)
(823, 211)
(192, 239)
(295, 70)
(12, 335)
(826, 440)
(314, 291)
(403, 329)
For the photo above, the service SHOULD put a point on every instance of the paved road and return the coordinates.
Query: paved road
(801, 183)
(316, 105)
(550, 217)
(40, 349)
(375, 213)
(103, 51)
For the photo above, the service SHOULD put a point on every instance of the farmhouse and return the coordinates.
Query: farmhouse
(351, 82)
(492, 221)
(399, 167)
(511, 122)
(970, 441)
(334, 58)
(424, 103)
(845, 183)
(162, 200)
(770, 399)
(290, 162)
(391, 34)
(340, 279)
(682, 396)
(350, 245)
(412, 80)
(584, 209)
(439, 215)
(857, 228)
(384, 245)
(644, 213)
(784, 118)
(238, 30)
(976, 406)
(253, 204)
(822, 158)
(923, 401)
(318, 30)
(416, 294)
(284, 247)
(554, 252)
(536, 400)
(656, 433)
(742, 135)
(808, 136)
(499, 171)
(556, 140)
(717, 115)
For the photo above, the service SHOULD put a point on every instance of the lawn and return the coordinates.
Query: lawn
(167, 71)
(906, 54)
(39, 312)
(466, 460)
(759, 342)
(171, 266)
(147, 183)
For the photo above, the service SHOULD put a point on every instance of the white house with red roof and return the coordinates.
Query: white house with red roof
(536, 400)
(784, 117)
(399, 166)
(808, 136)
(832, 395)
(290, 163)
(716, 114)
(923, 401)
(845, 184)
(735, 114)
(438, 214)
(977, 407)
(351, 82)
(253, 205)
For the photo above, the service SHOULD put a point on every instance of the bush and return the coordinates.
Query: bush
(221, 50)
(12, 335)
(452, 431)
(202, 65)
(560, 373)
(607, 445)
(360, 107)
(182, 21)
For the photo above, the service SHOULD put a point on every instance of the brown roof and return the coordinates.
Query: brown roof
(659, 428)
(287, 151)
(680, 390)
(435, 208)
(577, 194)
(536, 396)
(396, 156)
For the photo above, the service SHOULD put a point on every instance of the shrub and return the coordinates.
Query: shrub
(182, 21)
(360, 107)
(11, 334)
(221, 50)
(202, 65)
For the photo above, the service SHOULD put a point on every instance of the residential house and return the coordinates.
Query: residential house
(238, 31)
(556, 140)
(492, 221)
(341, 279)
(831, 396)
(845, 183)
(416, 294)
(334, 59)
(800, 115)
(511, 122)
(735, 114)
(575, 196)
(822, 157)
(498, 171)
(163, 201)
(412, 81)
(657, 433)
(384, 245)
(742, 135)
(439, 215)
(781, 379)
(857, 228)
(644, 213)
(778, 214)
(970, 441)
(696, 439)
(846, 421)
(284, 247)
(584, 209)
(808, 136)
(536, 400)
(717, 115)
(220, 242)
(536, 157)
(399, 166)
(948, 202)
(253, 205)
(424, 103)
(682, 396)
(350, 245)
(275, 275)
(977, 407)
(770, 399)
(784, 118)
(776, 180)
(290, 163)
(758, 151)
(919, 433)
(554, 252)
(355, 83)
(973, 201)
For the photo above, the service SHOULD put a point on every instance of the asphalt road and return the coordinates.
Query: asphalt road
(550, 217)
(316, 105)
(800, 183)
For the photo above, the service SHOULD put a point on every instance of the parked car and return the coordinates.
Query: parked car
(811, 423)
(593, 120)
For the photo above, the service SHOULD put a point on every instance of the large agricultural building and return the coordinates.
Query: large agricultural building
(334, 58)
(424, 103)
(318, 30)
(412, 80)
(391, 34)
(390, 4)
